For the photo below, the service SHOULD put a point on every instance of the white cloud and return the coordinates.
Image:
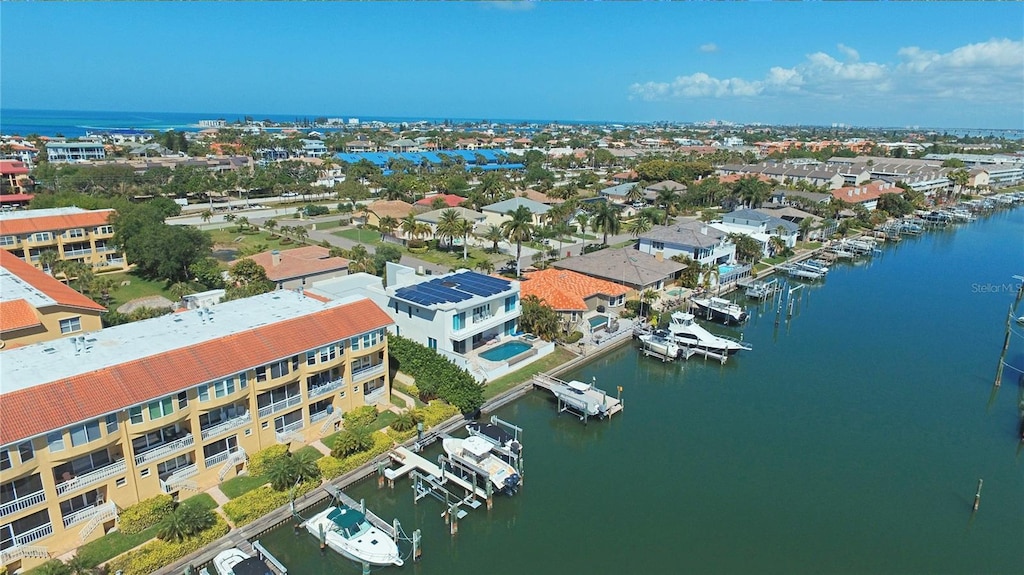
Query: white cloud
(985, 72)
(709, 47)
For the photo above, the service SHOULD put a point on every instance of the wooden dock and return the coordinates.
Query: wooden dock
(410, 461)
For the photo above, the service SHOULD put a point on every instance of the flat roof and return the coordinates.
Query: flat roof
(26, 214)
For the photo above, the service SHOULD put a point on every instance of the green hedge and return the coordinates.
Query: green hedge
(156, 554)
(437, 411)
(258, 461)
(363, 416)
(331, 467)
(262, 500)
(144, 514)
(435, 375)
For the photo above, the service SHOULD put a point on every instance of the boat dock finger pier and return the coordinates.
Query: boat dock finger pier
(581, 399)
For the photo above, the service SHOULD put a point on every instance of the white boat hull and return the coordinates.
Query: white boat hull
(371, 545)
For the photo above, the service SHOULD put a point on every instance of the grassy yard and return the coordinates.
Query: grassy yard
(453, 259)
(137, 287)
(383, 420)
(625, 244)
(507, 382)
(114, 543)
(369, 237)
(238, 486)
(249, 242)
(311, 451)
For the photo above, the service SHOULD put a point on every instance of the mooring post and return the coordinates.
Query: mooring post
(490, 493)
(417, 551)
(977, 496)
(366, 568)
(395, 526)
(362, 506)
(380, 475)
(455, 518)
(323, 539)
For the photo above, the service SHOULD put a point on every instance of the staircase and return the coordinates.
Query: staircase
(103, 513)
(331, 419)
(232, 460)
(22, 552)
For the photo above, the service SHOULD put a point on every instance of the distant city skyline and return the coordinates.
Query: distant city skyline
(860, 64)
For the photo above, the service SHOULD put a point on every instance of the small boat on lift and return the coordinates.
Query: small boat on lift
(687, 332)
(720, 309)
(477, 451)
(234, 562)
(496, 435)
(348, 532)
(661, 343)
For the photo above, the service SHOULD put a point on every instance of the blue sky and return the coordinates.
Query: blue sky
(875, 64)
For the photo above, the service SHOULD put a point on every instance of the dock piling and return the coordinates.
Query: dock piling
(417, 551)
(977, 496)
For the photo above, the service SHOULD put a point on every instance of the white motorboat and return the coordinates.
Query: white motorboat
(348, 532)
(661, 343)
(687, 332)
(720, 309)
(1020, 320)
(477, 451)
(234, 562)
(496, 435)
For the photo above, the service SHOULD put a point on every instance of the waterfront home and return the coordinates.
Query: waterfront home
(783, 196)
(632, 268)
(61, 152)
(172, 405)
(572, 294)
(14, 177)
(498, 212)
(820, 228)
(299, 267)
(72, 233)
(313, 148)
(691, 238)
(760, 226)
(36, 307)
(868, 195)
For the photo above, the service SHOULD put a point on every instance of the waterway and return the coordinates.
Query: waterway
(850, 440)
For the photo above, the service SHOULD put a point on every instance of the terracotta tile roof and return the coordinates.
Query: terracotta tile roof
(566, 290)
(865, 193)
(299, 262)
(45, 283)
(450, 199)
(17, 314)
(21, 226)
(394, 208)
(14, 167)
(10, 198)
(42, 408)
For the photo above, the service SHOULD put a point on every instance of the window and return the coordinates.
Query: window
(8, 240)
(327, 353)
(144, 472)
(225, 387)
(279, 369)
(75, 233)
(82, 434)
(111, 423)
(26, 451)
(40, 237)
(310, 358)
(183, 400)
(458, 321)
(481, 313)
(135, 414)
(203, 392)
(354, 343)
(71, 324)
(510, 303)
(161, 408)
(55, 441)
(121, 481)
(243, 380)
(658, 245)
(431, 343)
(261, 373)
(5, 459)
(105, 230)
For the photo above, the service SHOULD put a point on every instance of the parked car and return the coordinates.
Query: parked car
(290, 195)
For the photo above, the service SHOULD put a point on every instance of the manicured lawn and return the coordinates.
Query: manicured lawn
(369, 237)
(503, 384)
(624, 244)
(309, 449)
(237, 486)
(260, 241)
(383, 420)
(453, 259)
(138, 287)
(114, 543)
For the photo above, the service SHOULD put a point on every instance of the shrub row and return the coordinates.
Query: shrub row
(437, 411)
(435, 375)
(360, 417)
(259, 461)
(144, 514)
(331, 467)
(157, 554)
(255, 504)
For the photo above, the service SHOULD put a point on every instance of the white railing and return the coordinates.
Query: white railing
(374, 396)
(220, 457)
(315, 417)
(228, 425)
(94, 476)
(233, 459)
(103, 513)
(164, 450)
(79, 516)
(286, 432)
(280, 405)
(33, 534)
(23, 503)
(367, 372)
(22, 552)
(336, 416)
(325, 388)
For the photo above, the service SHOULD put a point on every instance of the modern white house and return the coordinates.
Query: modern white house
(691, 238)
(759, 226)
(468, 317)
(74, 151)
(313, 148)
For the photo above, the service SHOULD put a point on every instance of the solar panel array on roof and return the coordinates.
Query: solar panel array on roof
(453, 289)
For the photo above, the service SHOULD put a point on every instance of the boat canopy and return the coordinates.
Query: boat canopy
(348, 521)
(251, 566)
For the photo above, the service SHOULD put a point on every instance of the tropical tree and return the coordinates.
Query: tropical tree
(351, 441)
(300, 233)
(48, 259)
(805, 228)
(667, 200)
(640, 225)
(494, 235)
(206, 216)
(387, 226)
(752, 190)
(408, 225)
(646, 298)
(184, 521)
(448, 225)
(538, 318)
(485, 266)
(776, 245)
(270, 225)
(518, 228)
(635, 194)
(960, 177)
(464, 228)
(606, 219)
(582, 220)
(748, 249)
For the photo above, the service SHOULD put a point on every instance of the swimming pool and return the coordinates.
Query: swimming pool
(597, 321)
(724, 269)
(505, 351)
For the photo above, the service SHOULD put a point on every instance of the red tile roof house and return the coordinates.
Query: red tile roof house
(572, 294)
(14, 177)
(450, 200)
(300, 267)
(866, 195)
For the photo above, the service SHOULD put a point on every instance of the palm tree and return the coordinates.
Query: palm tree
(300, 233)
(606, 219)
(183, 522)
(960, 177)
(518, 228)
(668, 199)
(776, 245)
(582, 220)
(641, 225)
(465, 228)
(494, 235)
(448, 225)
(635, 194)
(485, 266)
(206, 216)
(805, 228)
(387, 226)
(270, 225)
(648, 296)
(408, 225)
(48, 260)
(752, 190)
(281, 472)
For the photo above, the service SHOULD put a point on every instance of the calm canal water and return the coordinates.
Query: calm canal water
(850, 440)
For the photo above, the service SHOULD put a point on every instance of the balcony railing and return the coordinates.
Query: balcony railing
(368, 371)
(325, 388)
(164, 450)
(77, 253)
(318, 416)
(374, 396)
(92, 477)
(227, 425)
(21, 552)
(33, 534)
(284, 433)
(280, 405)
(219, 457)
(232, 460)
(177, 480)
(79, 516)
(23, 502)
(103, 513)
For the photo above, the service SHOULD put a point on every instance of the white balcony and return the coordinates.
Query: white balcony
(23, 502)
(22, 551)
(95, 476)
(318, 416)
(79, 516)
(280, 405)
(227, 425)
(367, 372)
(219, 457)
(325, 388)
(375, 397)
(164, 450)
(33, 535)
(175, 480)
(283, 434)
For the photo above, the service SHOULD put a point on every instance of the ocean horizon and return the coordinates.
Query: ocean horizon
(77, 123)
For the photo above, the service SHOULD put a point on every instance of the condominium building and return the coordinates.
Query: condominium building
(73, 233)
(74, 151)
(96, 423)
(36, 307)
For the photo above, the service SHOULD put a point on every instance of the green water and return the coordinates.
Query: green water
(849, 441)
